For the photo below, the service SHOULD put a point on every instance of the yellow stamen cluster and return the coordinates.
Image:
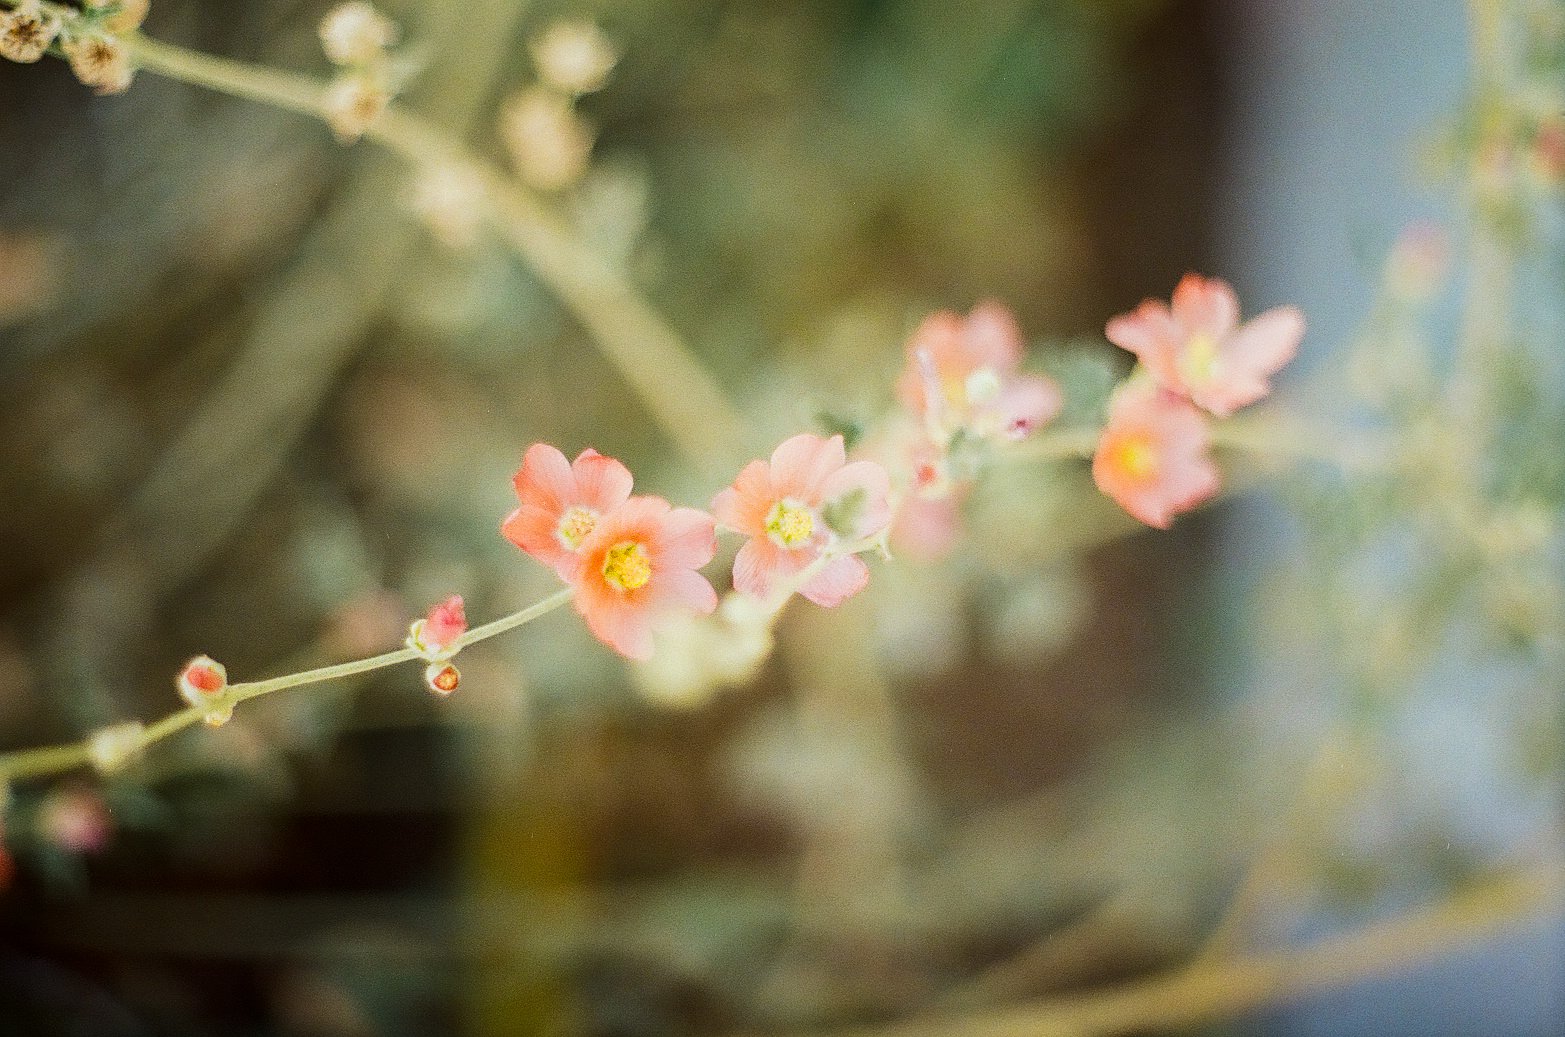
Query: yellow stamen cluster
(575, 525)
(626, 566)
(790, 524)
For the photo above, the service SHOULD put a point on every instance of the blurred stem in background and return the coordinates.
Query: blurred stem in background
(677, 391)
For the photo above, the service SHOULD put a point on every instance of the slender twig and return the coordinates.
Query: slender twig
(35, 763)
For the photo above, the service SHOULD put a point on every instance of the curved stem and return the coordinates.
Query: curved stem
(1206, 993)
(677, 390)
(35, 763)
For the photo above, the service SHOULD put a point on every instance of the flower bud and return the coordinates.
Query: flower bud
(352, 104)
(573, 56)
(356, 34)
(434, 637)
(442, 678)
(110, 748)
(101, 62)
(27, 32)
(202, 683)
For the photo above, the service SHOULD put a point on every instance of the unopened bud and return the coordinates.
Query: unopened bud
(202, 684)
(27, 32)
(356, 34)
(442, 678)
(110, 748)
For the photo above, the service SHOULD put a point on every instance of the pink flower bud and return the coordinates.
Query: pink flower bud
(434, 637)
(442, 678)
(202, 683)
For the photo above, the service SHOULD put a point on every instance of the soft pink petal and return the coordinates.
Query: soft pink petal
(1206, 304)
(545, 480)
(1150, 333)
(532, 530)
(926, 527)
(744, 505)
(623, 627)
(687, 540)
(940, 336)
(1026, 403)
(802, 463)
(602, 483)
(992, 338)
(837, 582)
(1249, 358)
(874, 513)
(639, 518)
(760, 564)
(683, 589)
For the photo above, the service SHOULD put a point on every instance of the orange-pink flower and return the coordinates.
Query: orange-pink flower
(639, 564)
(1199, 350)
(961, 373)
(1152, 456)
(808, 498)
(560, 503)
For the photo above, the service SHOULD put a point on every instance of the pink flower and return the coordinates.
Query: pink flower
(561, 503)
(638, 565)
(1199, 350)
(1152, 457)
(807, 499)
(434, 636)
(961, 372)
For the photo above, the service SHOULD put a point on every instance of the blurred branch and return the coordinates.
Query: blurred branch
(294, 345)
(1207, 993)
(677, 390)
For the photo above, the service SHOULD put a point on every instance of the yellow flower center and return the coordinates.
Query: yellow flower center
(1135, 455)
(790, 523)
(1200, 360)
(574, 526)
(626, 566)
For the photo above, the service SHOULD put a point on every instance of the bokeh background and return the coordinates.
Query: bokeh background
(254, 408)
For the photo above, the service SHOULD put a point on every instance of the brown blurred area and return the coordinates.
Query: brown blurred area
(255, 411)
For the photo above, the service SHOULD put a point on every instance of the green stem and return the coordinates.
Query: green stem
(35, 763)
(677, 390)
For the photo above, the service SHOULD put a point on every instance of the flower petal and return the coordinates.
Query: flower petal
(684, 590)
(992, 338)
(602, 483)
(1250, 356)
(841, 579)
(802, 463)
(760, 565)
(1149, 331)
(1206, 304)
(545, 479)
(1025, 404)
(743, 506)
(688, 540)
(872, 510)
